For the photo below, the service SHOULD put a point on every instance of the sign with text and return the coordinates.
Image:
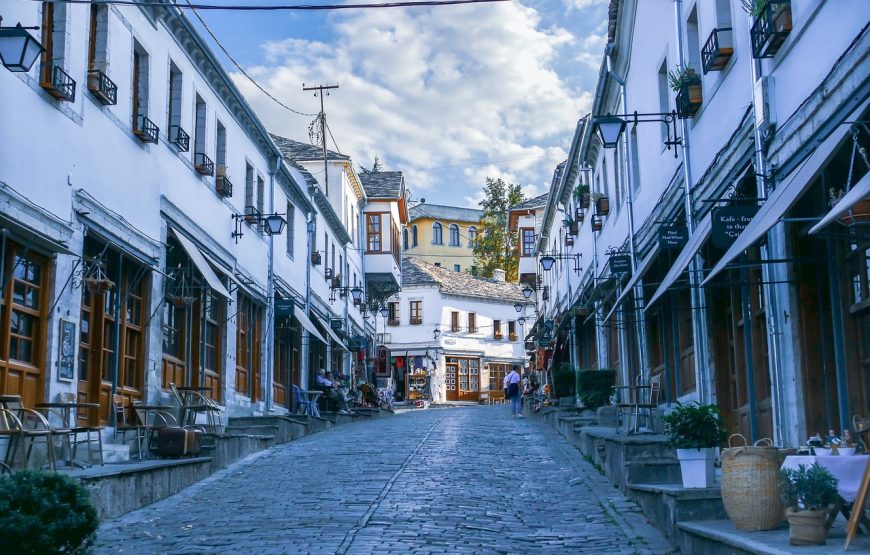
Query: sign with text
(543, 342)
(673, 236)
(729, 222)
(336, 324)
(620, 264)
(284, 307)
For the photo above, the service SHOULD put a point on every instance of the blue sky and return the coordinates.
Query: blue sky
(449, 95)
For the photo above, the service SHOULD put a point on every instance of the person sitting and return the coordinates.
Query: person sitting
(331, 390)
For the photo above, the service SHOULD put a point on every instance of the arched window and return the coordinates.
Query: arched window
(472, 236)
(437, 234)
(454, 235)
(413, 235)
(405, 239)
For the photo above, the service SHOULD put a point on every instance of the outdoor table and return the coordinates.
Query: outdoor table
(312, 395)
(847, 469)
(148, 409)
(65, 413)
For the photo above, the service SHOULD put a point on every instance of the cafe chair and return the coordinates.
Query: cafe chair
(640, 400)
(23, 427)
(159, 419)
(192, 404)
(300, 402)
(125, 428)
(91, 436)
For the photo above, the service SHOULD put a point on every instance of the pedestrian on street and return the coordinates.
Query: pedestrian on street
(512, 391)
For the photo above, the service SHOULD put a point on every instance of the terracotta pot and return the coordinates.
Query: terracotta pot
(695, 95)
(585, 202)
(580, 216)
(860, 212)
(603, 206)
(806, 527)
(575, 228)
(782, 21)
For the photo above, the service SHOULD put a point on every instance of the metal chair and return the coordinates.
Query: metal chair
(92, 434)
(640, 397)
(193, 403)
(20, 424)
(159, 419)
(124, 425)
(299, 401)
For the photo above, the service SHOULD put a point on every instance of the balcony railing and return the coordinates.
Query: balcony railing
(146, 130)
(102, 87)
(416, 321)
(203, 164)
(512, 337)
(717, 50)
(770, 29)
(252, 215)
(393, 322)
(689, 100)
(59, 84)
(498, 336)
(223, 186)
(179, 138)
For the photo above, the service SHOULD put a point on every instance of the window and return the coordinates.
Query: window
(472, 236)
(261, 185)
(332, 261)
(249, 188)
(512, 331)
(416, 313)
(496, 329)
(53, 77)
(437, 238)
(393, 314)
(140, 86)
(617, 173)
(635, 162)
(220, 151)
(664, 96)
(454, 235)
(97, 51)
(437, 264)
(413, 235)
(472, 322)
(454, 321)
(373, 232)
(693, 41)
(291, 228)
(405, 239)
(199, 127)
(457, 268)
(173, 122)
(527, 236)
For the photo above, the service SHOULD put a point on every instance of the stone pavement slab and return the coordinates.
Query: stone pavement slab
(457, 480)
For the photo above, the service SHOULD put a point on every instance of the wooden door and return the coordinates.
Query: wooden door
(23, 323)
(468, 379)
(452, 380)
(174, 338)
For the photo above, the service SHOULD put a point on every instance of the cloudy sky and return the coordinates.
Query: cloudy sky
(449, 94)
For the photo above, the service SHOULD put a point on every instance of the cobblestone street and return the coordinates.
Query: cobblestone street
(459, 480)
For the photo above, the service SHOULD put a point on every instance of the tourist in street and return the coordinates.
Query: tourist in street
(512, 391)
(330, 390)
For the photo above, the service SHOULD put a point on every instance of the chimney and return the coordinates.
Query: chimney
(498, 275)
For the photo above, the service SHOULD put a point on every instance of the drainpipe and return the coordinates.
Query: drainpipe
(699, 322)
(768, 250)
(643, 358)
(270, 297)
(306, 336)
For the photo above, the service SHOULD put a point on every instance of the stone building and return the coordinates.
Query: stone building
(442, 235)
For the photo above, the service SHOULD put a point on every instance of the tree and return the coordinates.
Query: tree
(376, 167)
(495, 247)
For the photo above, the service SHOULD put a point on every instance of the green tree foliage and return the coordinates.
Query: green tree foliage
(496, 247)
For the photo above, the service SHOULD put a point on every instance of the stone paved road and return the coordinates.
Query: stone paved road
(447, 480)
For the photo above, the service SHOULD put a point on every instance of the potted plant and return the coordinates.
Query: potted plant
(807, 492)
(602, 204)
(687, 84)
(782, 13)
(695, 429)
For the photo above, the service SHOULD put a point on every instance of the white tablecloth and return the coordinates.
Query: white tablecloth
(848, 470)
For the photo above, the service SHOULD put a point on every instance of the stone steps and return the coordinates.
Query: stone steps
(653, 471)
(667, 505)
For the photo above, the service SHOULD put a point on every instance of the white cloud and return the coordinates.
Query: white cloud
(583, 4)
(442, 89)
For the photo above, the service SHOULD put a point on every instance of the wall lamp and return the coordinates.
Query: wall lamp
(521, 320)
(356, 293)
(436, 333)
(274, 223)
(548, 260)
(610, 127)
(527, 292)
(519, 307)
(385, 311)
(18, 49)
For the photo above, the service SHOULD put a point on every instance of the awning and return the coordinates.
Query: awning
(856, 194)
(641, 269)
(308, 324)
(28, 236)
(702, 231)
(336, 338)
(201, 264)
(780, 200)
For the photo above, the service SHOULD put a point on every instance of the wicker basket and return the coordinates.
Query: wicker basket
(750, 484)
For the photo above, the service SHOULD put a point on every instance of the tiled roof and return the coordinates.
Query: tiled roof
(537, 202)
(442, 212)
(461, 284)
(382, 184)
(299, 151)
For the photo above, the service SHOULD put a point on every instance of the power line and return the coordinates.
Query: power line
(238, 66)
(279, 7)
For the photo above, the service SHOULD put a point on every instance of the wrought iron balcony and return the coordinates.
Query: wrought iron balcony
(512, 337)
(770, 29)
(59, 84)
(102, 87)
(717, 50)
(252, 215)
(146, 130)
(416, 321)
(179, 138)
(223, 186)
(689, 100)
(203, 164)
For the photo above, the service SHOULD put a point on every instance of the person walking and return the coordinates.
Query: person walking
(512, 391)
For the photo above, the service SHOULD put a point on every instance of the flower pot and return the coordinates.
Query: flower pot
(603, 206)
(696, 466)
(578, 214)
(860, 212)
(806, 527)
(695, 95)
(575, 228)
(585, 202)
(782, 21)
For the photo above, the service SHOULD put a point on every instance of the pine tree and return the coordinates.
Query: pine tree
(376, 167)
(495, 247)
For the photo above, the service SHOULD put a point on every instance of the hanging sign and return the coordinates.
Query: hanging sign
(543, 342)
(729, 222)
(620, 264)
(673, 236)
(284, 307)
(336, 324)
(67, 359)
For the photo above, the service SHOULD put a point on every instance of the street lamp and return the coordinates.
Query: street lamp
(385, 311)
(437, 333)
(609, 130)
(527, 292)
(18, 49)
(547, 262)
(521, 320)
(275, 224)
(610, 127)
(356, 293)
(518, 307)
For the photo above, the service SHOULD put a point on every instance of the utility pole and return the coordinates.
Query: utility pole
(319, 91)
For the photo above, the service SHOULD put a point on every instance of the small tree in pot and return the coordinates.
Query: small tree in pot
(807, 492)
(695, 429)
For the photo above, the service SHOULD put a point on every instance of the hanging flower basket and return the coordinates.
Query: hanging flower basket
(99, 285)
(180, 301)
(859, 213)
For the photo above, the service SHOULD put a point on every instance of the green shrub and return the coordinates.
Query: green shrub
(810, 488)
(596, 386)
(45, 512)
(694, 426)
(563, 380)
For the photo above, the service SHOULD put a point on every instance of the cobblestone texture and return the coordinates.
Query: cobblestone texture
(459, 480)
